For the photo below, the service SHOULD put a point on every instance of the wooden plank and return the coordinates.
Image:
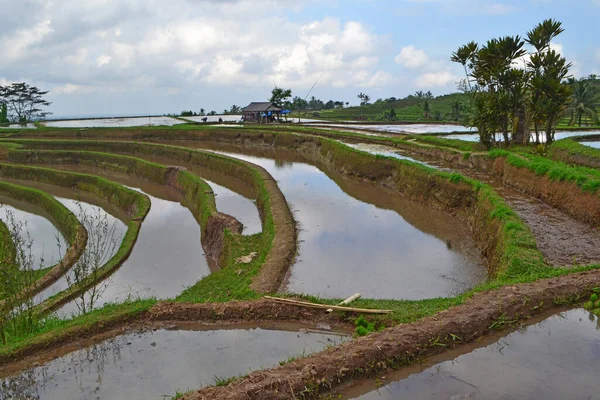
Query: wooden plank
(325, 306)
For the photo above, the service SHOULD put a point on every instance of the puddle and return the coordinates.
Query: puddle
(239, 207)
(44, 236)
(408, 129)
(347, 245)
(553, 359)
(153, 364)
(114, 122)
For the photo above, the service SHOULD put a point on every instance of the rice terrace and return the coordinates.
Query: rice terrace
(426, 247)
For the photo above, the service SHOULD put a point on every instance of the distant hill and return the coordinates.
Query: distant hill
(407, 109)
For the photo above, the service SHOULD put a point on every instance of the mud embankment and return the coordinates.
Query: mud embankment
(482, 314)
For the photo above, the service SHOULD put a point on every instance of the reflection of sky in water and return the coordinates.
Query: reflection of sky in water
(214, 118)
(595, 145)
(556, 359)
(114, 122)
(75, 207)
(239, 207)
(167, 257)
(411, 128)
(557, 136)
(383, 151)
(44, 236)
(29, 125)
(348, 246)
(148, 365)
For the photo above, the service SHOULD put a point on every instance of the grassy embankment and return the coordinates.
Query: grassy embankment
(515, 252)
(65, 221)
(130, 201)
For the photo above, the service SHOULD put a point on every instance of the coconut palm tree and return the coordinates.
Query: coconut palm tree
(426, 109)
(583, 102)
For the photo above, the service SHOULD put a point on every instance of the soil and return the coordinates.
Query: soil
(482, 314)
(563, 240)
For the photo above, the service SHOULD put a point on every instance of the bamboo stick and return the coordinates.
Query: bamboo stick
(347, 301)
(325, 307)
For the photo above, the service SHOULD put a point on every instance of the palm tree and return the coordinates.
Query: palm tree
(364, 100)
(464, 55)
(583, 102)
(426, 109)
(202, 111)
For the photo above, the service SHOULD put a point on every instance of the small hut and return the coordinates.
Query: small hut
(261, 112)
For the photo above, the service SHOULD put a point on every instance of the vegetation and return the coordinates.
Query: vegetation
(21, 102)
(584, 102)
(504, 96)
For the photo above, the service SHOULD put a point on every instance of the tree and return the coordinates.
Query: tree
(279, 95)
(464, 55)
(505, 98)
(456, 107)
(202, 112)
(3, 114)
(235, 109)
(426, 109)
(24, 103)
(583, 102)
(212, 113)
(364, 100)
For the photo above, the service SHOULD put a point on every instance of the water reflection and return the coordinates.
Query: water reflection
(348, 246)
(595, 145)
(383, 151)
(409, 128)
(555, 359)
(238, 206)
(148, 365)
(114, 122)
(48, 245)
(166, 258)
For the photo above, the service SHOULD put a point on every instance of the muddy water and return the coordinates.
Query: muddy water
(347, 245)
(553, 359)
(239, 207)
(563, 240)
(37, 228)
(152, 364)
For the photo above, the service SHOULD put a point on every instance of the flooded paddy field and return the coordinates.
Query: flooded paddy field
(48, 246)
(166, 257)
(151, 364)
(214, 118)
(381, 245)
(238, 206)
(556, 358)
(405, 129)
(114, 122)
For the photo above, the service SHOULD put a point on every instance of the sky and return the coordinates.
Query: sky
(152, 57)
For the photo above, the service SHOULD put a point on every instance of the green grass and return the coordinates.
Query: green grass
(409, 109)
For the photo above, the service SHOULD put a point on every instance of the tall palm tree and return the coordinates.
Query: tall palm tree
(426, 109)
(464, 55)
(583, 102)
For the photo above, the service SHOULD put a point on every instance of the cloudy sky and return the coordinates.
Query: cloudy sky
(140, 57)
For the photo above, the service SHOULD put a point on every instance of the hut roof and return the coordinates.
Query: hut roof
(261, 107)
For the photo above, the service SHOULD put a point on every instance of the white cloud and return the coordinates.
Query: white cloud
(432, 79)
(411, 57)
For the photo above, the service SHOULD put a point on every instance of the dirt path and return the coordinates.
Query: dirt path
(563, 240)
